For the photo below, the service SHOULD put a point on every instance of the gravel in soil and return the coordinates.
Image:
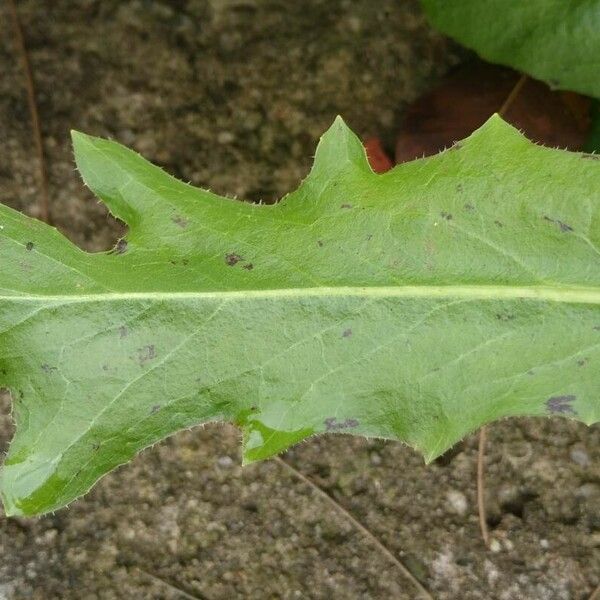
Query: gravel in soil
(233, 95)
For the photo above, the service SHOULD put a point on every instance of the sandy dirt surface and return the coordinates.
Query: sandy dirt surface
(233, 95)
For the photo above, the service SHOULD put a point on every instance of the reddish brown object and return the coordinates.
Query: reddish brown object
(33, 112)
(378, 159)
(469, 95)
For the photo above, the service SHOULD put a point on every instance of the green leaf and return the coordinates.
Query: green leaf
(415, 306)
(557, 41)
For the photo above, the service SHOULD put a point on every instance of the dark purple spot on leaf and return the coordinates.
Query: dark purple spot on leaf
(155, 409)
(561, 404)
(123, 331)
(319, 243)
(233, 259)
(181, 221)
(146, 353)
(469, 206)
(248, 267)
(562, 226)
(505, 316)
(29, 246)
(446, 215)
(498, 223)
(48, 369)
(347, 333)
(345, 205)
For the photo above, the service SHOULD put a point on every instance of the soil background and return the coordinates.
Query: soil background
(232, 95)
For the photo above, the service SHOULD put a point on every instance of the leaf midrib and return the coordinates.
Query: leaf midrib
(568, 294)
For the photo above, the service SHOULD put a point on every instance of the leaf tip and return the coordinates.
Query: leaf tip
(11, 508)
(496, 122)
(338, 133)
(496, 134)
(77, 135)
(339, 147)
(78, 138)
(339, 122)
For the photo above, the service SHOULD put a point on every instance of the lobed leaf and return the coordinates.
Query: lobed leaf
(416, 305)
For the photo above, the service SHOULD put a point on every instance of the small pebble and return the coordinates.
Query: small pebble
(457, 502)
(375, 459)
(354, 24)
(225, 137)
(495, 546)
(580, 457)
(224, 461)
(588, 490)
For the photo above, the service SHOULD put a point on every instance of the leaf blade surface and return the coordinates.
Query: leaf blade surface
(415, 305)
(551, 40)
